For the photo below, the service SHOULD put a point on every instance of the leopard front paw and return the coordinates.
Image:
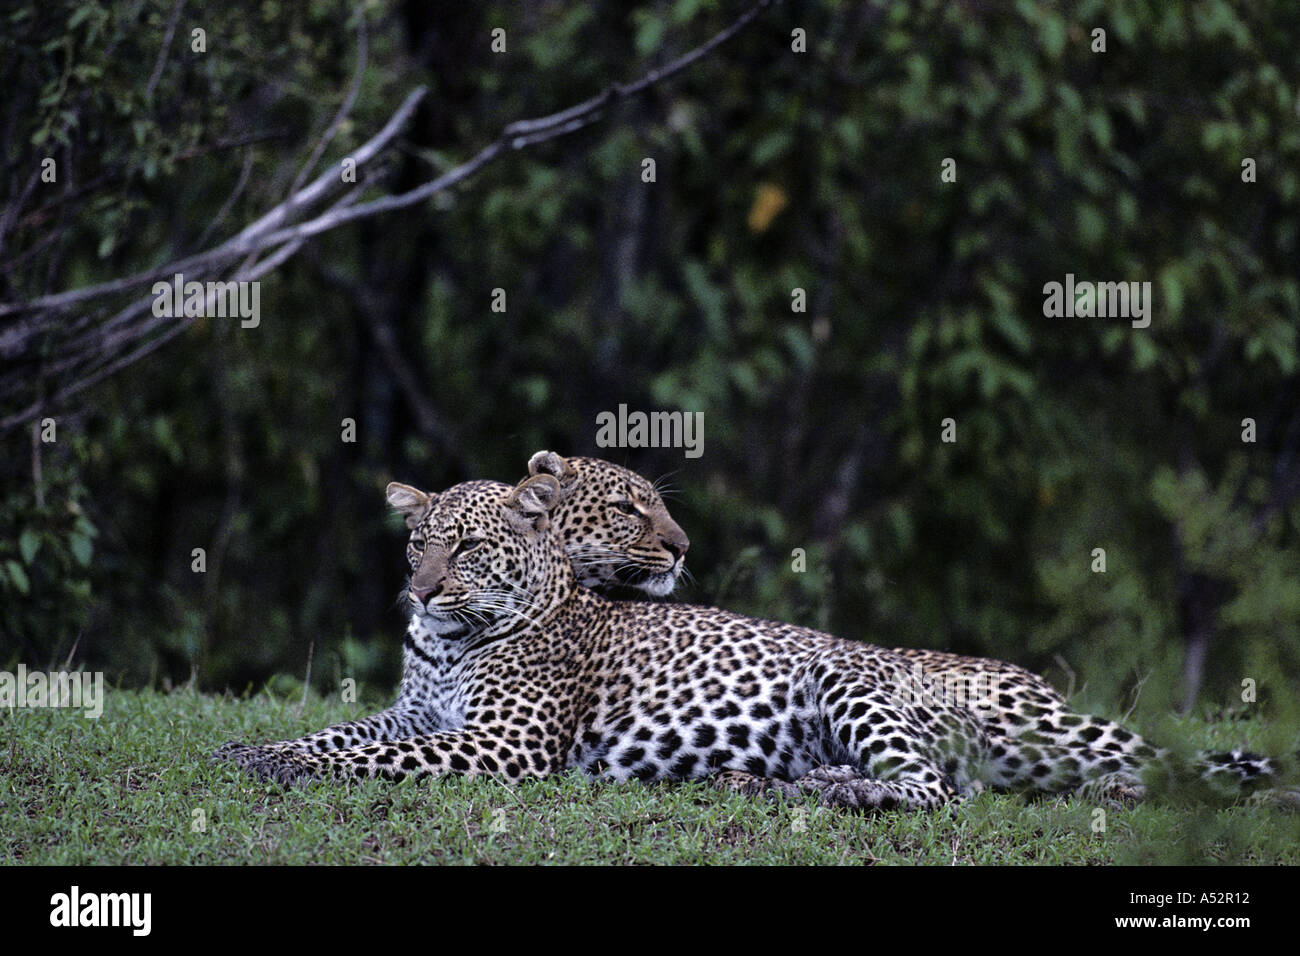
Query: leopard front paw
(271, 762)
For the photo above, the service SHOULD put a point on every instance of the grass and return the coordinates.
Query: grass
(135, 787)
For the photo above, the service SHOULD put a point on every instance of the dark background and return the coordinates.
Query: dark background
(775, 170)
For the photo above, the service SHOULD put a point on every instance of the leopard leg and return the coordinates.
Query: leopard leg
(1050, 749)
(396, 723)
(399, 722)
(908, 752)
(468, 752)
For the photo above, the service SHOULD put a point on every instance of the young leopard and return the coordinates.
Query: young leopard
(616, 531)
(535, 674)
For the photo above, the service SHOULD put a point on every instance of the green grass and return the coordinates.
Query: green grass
(127, 788)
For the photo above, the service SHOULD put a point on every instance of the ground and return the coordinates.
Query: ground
(126, 788)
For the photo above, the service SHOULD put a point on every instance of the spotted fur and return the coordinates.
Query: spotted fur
(530, 674)
(618, 536)
(616, 529)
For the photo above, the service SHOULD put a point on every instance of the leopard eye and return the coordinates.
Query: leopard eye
(418, 545)
(465, 546)
(626, 507)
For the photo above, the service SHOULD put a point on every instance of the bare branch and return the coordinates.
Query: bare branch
(516, 135)
(98, 354)
(240, 244)
(178, 326)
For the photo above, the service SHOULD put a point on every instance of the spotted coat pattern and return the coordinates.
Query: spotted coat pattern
(529, 674)
(617, 534)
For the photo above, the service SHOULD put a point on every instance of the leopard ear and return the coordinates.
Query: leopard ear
(532, 500)
(411, 503)
(549, 463)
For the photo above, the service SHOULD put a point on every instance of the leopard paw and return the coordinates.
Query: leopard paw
(271, 762)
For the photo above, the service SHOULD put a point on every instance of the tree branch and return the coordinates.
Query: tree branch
(277, 233)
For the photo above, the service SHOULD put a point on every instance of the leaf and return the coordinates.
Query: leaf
(710, 299)
(29, 542)
(1091, 225)
(18, 576)
(1052, 31)
(82, 548)
(685, 10)
(771, 147)
(769, 200)
(1012, 329)
(1171, 287)
(1145, 353)
(649, 36)
(800, 345)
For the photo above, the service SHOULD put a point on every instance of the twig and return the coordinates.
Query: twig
(1137, 692)
(230, 200)
(348, 101)
(1069, 671)
(37, 483)
(12, 210)
(166, 46)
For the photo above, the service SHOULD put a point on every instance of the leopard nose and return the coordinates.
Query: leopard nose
(676, 545)
(423, 594)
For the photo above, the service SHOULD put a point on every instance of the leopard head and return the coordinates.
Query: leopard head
(615, 527)
(483, 556)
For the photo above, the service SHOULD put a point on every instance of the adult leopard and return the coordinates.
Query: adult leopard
(617, 532)
(618, 536)
(535, 674)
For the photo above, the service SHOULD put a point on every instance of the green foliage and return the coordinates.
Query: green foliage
(46, 573)
(776, 171)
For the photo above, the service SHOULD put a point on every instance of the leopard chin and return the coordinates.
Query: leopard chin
(444, 625)
(658, 585)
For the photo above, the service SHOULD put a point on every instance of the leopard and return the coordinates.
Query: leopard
(533, 675)
(619, 538)
(610, 555)
(616, 528)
